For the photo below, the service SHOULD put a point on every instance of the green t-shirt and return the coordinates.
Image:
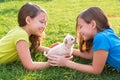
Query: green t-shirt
(8, 52)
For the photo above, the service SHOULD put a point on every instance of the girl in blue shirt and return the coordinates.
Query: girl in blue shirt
(97, 41)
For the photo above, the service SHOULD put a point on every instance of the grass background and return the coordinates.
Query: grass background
(61, 20)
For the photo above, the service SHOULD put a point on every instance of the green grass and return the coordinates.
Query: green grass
(61, 20)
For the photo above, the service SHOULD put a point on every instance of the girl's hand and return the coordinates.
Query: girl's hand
(54, 44)
(55, 60)
(70, 57)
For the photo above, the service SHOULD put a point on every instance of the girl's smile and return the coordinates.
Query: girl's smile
(36, 25)
(87, 30)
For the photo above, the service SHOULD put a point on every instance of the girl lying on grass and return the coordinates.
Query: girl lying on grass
(21, 40)
(97, 41)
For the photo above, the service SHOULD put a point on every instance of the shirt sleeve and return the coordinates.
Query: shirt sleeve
(21, 36)
(101, 42)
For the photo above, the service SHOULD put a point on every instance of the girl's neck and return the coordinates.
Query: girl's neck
(27, 30)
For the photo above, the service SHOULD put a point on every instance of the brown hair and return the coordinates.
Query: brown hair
(93, 13)
(32, 10)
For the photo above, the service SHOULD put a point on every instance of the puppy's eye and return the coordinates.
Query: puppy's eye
(72, 39)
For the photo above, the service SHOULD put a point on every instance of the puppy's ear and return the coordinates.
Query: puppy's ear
(64, 36)
(66, 41)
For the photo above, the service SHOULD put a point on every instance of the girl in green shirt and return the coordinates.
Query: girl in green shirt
(21, 40)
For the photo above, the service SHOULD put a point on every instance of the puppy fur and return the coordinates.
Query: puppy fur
(65, 48)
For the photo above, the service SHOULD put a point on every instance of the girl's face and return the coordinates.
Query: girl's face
(87, 30)
(38, 24)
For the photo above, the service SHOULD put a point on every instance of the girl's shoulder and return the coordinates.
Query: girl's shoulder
(107, 37)
(20, 34)
(16, 31)
(105, 33)
(102, 40)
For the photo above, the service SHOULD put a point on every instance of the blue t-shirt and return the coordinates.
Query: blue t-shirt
(107, 40)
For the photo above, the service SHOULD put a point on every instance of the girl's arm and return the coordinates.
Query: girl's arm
(25, 57)
(85, 55)
(46, 49)
(42, 49)
(99, 59)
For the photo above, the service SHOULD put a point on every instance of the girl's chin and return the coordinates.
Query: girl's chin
(85, 39)
(38, 35)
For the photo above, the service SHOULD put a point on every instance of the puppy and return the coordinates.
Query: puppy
(65, 48)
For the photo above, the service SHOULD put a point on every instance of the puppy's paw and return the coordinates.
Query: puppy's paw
(45, 53)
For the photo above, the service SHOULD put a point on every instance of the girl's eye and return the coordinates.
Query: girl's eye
(80, 27)
(71, 39)
(41, 22)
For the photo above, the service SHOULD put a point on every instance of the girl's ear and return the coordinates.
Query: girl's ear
(93, 24)
(28, 19)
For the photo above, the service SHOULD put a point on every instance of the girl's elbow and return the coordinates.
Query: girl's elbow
(97, 72)
(29, 67)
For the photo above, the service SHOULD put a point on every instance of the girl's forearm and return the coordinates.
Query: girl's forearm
(37, 66)
(85, 55)
(81, 67)
(41, 65)
(42, 49)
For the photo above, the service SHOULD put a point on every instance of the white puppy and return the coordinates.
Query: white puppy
(63, 48)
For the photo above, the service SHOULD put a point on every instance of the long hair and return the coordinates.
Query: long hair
(32, 10)
(93, 13)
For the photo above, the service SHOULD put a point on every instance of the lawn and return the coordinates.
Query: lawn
(61, 21)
